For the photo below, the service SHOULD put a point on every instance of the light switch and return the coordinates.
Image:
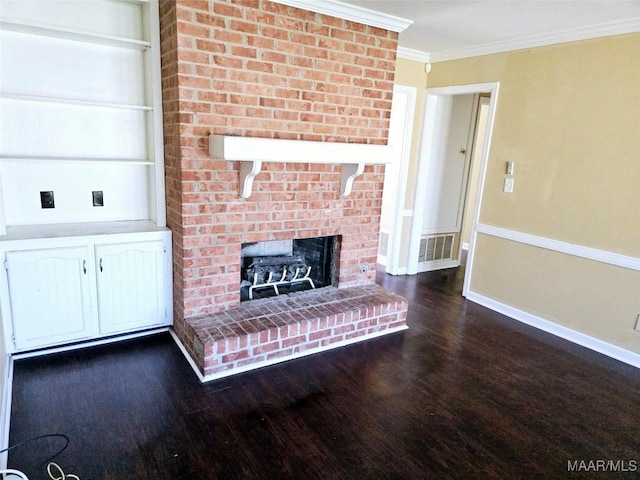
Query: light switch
(508, 185)
(509, 168)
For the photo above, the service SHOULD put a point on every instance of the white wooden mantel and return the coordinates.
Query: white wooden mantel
(253, 152)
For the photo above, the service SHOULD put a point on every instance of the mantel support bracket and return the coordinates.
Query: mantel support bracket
(349, 173)
(248, 171)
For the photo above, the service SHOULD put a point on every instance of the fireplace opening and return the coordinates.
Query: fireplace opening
(283, 266)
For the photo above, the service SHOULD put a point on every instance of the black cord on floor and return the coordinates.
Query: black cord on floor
(39, 437)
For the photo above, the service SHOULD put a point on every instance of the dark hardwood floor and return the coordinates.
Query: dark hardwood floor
(465, 393)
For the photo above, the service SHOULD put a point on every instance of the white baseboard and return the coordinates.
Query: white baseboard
(437, 265)
(266, 363)
(398, 271)
(186, 355)
(574, 336)
(90, 343)
(5, 410)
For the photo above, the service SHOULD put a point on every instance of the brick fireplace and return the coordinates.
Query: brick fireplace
(255, 68)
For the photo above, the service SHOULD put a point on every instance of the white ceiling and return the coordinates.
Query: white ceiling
(457, 28)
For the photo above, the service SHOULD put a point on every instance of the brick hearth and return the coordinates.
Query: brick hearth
(271, 330)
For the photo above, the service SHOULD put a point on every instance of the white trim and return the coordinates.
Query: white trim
(437, 265)
(415, 55)
(399, 271)
(3, 221)
(396, 271)
(429, 129)
(395, 234)
(93, 343)
(251, 152)
(353, 13)
(553, 328)
(452, 229)
(186, 355)
(266, 363)
(155, 128)
(571, 35)
(604, 256)
(465, 246)
(5, 411)
(475, 220)
(278, 150)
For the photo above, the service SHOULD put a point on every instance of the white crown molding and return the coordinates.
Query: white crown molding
(353, 13)
(621, 27)
(415, 55)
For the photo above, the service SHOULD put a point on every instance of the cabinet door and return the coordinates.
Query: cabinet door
(49, 291)
(130, 285)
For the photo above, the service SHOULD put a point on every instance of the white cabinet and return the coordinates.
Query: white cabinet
(130, 285)
(68, 284)
(49, 292)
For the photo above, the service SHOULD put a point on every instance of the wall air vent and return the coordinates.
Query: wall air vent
(436, 247)
(384, 243)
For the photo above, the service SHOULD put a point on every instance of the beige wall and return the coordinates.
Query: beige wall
(411, 73)
(568, 115)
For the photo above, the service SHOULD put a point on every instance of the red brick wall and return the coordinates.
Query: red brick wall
(255, 68)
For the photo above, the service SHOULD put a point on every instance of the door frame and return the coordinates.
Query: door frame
(404, 155)
(431, 126)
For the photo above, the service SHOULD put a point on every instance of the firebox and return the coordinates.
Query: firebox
(282, 266)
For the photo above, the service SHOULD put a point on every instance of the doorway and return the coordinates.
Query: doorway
(448, 188)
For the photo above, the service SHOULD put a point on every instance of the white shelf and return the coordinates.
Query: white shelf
(28, 158)
(73, 34)
(73, 101)
(252, 152)
(135, 2)
(67, 230)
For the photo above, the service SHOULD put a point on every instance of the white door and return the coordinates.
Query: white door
(130, 285)
(49, 291)
(445, 183)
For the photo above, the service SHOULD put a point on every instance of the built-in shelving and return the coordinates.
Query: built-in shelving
(72, 34)
(81, 84)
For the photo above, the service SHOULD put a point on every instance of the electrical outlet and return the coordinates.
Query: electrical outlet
(638, 323)
(98, 199)
(46, 200)
(508, 185)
